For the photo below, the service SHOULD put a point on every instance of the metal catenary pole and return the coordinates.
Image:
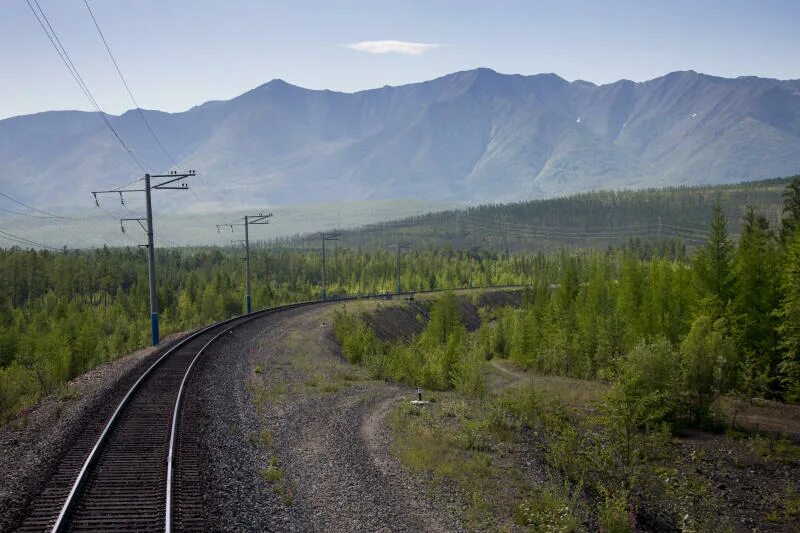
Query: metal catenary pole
(326, 237)
(324, 295)
(151, 264)
(247, 297)
(249, 220)
(400, 246)
(169, 179)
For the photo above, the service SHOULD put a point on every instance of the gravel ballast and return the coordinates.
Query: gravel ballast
(296, 438)
(32, 444)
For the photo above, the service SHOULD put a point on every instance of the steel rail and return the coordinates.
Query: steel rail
(92, 457)
(179, 400)
(73, 496)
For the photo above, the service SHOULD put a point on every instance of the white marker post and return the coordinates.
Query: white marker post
(419, 400)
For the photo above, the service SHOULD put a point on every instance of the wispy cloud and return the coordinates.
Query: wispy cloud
(392, 47)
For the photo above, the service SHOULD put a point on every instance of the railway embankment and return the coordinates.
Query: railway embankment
(32, 443)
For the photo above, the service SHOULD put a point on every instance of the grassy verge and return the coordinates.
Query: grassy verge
(523, 458)
(445, 443)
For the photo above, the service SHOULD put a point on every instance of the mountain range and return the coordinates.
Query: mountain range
(475, 136)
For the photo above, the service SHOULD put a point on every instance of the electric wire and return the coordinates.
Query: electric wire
(117, 219)
(560, 230)
(62, 53)
(163, 241)
(488, 232)
(535, 231)
(23, 204)
(127, 87)
(23, 240)
(118, 187)
(48, 217)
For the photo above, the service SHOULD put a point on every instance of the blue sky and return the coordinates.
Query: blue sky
(179, 53)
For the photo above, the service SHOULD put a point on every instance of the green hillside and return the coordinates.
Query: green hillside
(588, 220)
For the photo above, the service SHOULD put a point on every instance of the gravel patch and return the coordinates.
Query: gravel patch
(239, 497)
(296, 438)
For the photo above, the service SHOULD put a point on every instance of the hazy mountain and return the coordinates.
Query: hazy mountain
(476, 136)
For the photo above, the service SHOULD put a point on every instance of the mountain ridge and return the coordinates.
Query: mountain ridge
(474, 135)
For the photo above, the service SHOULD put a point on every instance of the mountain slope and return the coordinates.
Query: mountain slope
(469, 136)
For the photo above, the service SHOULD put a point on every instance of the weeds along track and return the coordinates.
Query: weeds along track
(139, 467)
(142, 472)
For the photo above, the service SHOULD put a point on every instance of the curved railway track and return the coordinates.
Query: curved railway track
(126, 479)
(143, 471)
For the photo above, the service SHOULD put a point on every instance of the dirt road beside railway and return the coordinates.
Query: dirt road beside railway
(296, 437)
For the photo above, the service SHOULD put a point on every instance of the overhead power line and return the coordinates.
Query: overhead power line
(621, 231)
(249, 220)
(10, 211)
(647, 231)
(52, 36)
(562, 231)
(166, 181)
(23, 204)
(127, 87)
(25, 242)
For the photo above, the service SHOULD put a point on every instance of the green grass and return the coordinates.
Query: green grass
(780, 450)
(447, 443)
(273, 474)
(258, 394)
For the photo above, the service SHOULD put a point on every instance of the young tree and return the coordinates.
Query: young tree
(789, 314)
(791, 211)
(713, 266)
(756, 292)
(708, 364)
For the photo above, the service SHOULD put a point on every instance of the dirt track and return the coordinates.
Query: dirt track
(297, 439)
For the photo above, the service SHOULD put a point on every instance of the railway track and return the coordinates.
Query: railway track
(142, 473)
(139, 467)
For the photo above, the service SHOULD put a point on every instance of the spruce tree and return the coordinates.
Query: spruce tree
(791, 211)
(756, 292)
(713, 266)
(789, 314)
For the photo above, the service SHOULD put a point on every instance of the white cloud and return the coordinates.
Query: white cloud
(392, 47)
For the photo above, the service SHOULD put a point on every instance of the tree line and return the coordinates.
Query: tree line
(62, 314)
(589, 220)
(725, 320)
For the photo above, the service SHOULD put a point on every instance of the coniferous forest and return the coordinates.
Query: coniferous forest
(726, 310)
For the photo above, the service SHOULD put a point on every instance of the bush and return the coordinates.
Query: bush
(552, 509)
(615, 515)
(709, 365)
(18, 388)
(522, 403)
(468, 377)
(441, 358)
(356, 338)
(647, 387)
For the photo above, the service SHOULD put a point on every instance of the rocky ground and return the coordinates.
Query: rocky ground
(297, 439)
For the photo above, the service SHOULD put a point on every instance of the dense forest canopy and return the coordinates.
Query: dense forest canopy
(63, 313)
(592, 219)
(589, 220)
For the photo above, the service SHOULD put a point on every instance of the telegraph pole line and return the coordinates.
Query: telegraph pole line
(260, 219)
(400, 246)
(165, 182)
(333, 236)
